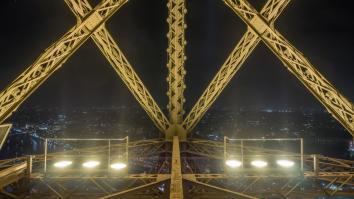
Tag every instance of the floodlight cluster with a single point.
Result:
(259, 163)
(89, 164)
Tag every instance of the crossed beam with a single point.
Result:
(90, 24)
(113, 54)
(271, 11)
(261, 27)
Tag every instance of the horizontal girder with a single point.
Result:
(332, 172)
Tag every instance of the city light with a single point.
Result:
(62, 164)
(259, 163)
(118, 166)
(91, 164)
(285, 163)
(233, 163)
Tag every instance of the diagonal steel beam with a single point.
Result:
(4, 131)
(54, 57)
(236, 194)
(336, 104)
(119, 62)
(122, 193)
(271, 11)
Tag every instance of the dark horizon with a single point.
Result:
(322, 30)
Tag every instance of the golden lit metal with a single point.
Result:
(54, 57)
(118, 166)
(259, 163)
(233, 163)
(63, 164)
(260, 27)
(336, 104)
(91, 164)
(231, 66)
(176, 59)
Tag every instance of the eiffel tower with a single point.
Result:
(176, 176)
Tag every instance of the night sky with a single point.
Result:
(322, 29)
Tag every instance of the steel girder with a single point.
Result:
(4, 131)
(336, 104)
(337, 173)
(333, 176)
(176, 189)
(125, 71)
(176, 59)
(54, 57)
(249, 41)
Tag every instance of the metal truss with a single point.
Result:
(186, 167)
(296, 63)
(90, 24)
(54, 57)
(249, 41)
(176, 189)
(131, 186)
(176, 59)
(125, 71)
(323, 176)
(4, 131)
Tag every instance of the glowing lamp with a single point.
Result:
(91, 164)
(259, 163)
(285, 163)
(118, 166)
(62, 164)
(233, 163)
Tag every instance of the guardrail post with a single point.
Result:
(29, 166)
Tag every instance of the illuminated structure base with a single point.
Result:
(176, 167)
(200, 175)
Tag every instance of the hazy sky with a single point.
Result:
(322, 29)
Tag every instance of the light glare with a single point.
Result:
(233, 163)
(285, 163)
(118, 166)
(91, 164)
(62, 164)
(259, 163)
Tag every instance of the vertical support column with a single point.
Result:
(176, 60)
(315, 165)
(45, 155)
(176, 189)
(302, 155)
(29, 166)
(109, 155)
(127, 150)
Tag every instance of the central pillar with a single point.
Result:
(176, 130)
(176, 188)
(176, 59)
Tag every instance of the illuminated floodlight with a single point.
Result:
(259, 163)
(62, 164)
(91, 164)
(285, 163)
(118, 166)
(233, 163)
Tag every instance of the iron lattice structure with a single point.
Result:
(175, 166)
